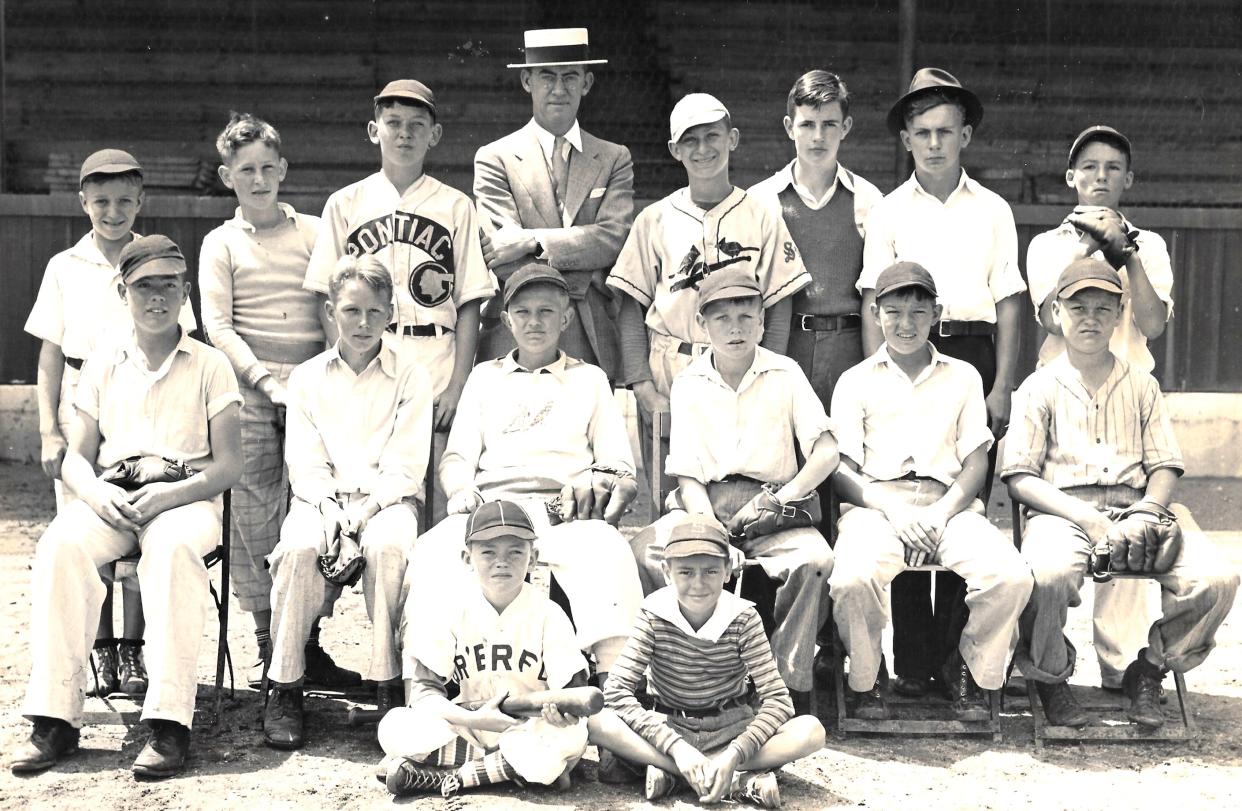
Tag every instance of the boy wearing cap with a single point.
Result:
(912, 428)
(700, 650)
(679, 241)
(1090, 434)
(1100, 171)
(255, 310)
(744, 414)
(553, 192)
(964, 235)
(158, 394)
(75, 313)
(358, 431)
(536, 426)
(498, 637)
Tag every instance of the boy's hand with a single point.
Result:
(556, 718)
(723, 765)
(509, 243)
(998, 401)
(111, 503)
(357, 515)
(1096, 525)
(491, 718)
(333, 519)
(152, 499)
(649, 398)
(464, 501)
(444, 407)
(919, 528)
(693, 766)
(274, 391)
(52, 454)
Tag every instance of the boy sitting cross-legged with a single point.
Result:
(699, 646)
(914, 439)
(498, 637)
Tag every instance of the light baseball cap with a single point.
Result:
(499, 519)
(152, 255)
(1086, 273)
(108, 162)
(697, 535)
(727, 284)
(692, 110)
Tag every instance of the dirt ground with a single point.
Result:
(229, 767)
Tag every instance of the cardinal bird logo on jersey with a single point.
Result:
(693, 270)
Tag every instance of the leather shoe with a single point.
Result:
(869, 704)
(322, 671)
(1060, 706)
(282, 717)
(49, 741)
(165, 752)
(1141, 684)
(910, 686)
(967, 700)
(389, 694)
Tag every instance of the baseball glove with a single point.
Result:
(136, 471)
(1106, 227)
(1144, 537)
(764, 514)
(343, 563)
(604, 495)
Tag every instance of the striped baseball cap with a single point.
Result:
(499, 519)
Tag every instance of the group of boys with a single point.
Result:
(742, 314)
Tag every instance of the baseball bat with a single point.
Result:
(578, 701)
(359, 716)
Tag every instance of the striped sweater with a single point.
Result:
(694, 670)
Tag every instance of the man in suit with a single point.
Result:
(553, 192)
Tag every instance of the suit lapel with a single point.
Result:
(583, 169)
(533, 174)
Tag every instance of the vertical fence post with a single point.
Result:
(906, 16)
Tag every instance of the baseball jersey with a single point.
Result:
(427, 237)
(78, 307)
(675, 244)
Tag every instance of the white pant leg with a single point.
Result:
(998, 585)
(298, 590)
(66, 594)
(868, 555)
(435, 570)
(175, 603)
(386, 540)
(1121, 618)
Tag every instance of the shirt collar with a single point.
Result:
(703, 366)
(509, 365)
(965, 184)
(547, 139)
(1069, 378)
(87, 249)
(241, 222)
(128, 350)
(882, 357)
(663, 604)
(683, 202)
(387, 357)
(784, 178)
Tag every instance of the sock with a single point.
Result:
(263, 636)
(489, 769)
(313, 640)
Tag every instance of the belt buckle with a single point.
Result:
(802, 317)
(940, 329)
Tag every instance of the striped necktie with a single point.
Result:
(560, 170)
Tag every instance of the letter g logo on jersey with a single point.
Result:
(430, 284)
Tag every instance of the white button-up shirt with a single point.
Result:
(866, 195)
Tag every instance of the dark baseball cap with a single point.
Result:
(726, 284)
(408, 90)
(697, 535)
(152, 255)
(902, 275)
(499, 519)
(1099, 132)
(929, 80)
(1085, 273)
(108, 162)
(533, 273)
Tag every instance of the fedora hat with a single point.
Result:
(545, 47)
(928, 80)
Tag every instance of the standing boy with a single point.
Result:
(1100, 171)
(555, 193)
(717, 714)
(913, 432)
(158, 394)
(964, 235)
(1090, 437)
(358, 433)
(251, 270)
(498, 637)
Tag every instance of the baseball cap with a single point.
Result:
(1099, 132)
(697, 535)
(928, 80)
(1084, 273)
(108, 162)
(692, 110)
(410, 90)
(531, 273)
(726, 284)
(499, 519)
(902, 275)
(152, 255)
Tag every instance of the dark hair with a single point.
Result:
(384, 104)
(242, 129)
(931, 99)
(132, 176)
(913, 291)
(818, 88)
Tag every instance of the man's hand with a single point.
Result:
(466, 500)
(694, 767)
(723, 765)
(998, 401)
(444, 407)
(491, 718)
(509, 243)
(649, 398)
(274, 390)
(111, 503)
(556, 718)
(152, 499)
(52, 453)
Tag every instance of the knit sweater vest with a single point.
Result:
(831, 249)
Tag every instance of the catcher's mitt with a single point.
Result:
(136, 471)
(1106, 227)
(1144, 537)
(343, 563)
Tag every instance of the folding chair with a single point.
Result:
(1119, 730)
(127, 567)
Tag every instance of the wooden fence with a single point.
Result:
(1201, 350)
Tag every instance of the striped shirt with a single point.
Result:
(1062, 433)
(696, 670)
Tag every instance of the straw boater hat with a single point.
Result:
(556, 46)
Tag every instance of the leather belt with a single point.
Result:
(420, 330)
(705, 712)
(827, 323)
(73, 363)
(952, 329)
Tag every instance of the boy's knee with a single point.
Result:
(383, 548)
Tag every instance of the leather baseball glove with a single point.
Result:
(603, 492)
(1144, 537)
(764, 514)
(343, 563)
(136, 471)
(1106, 227)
